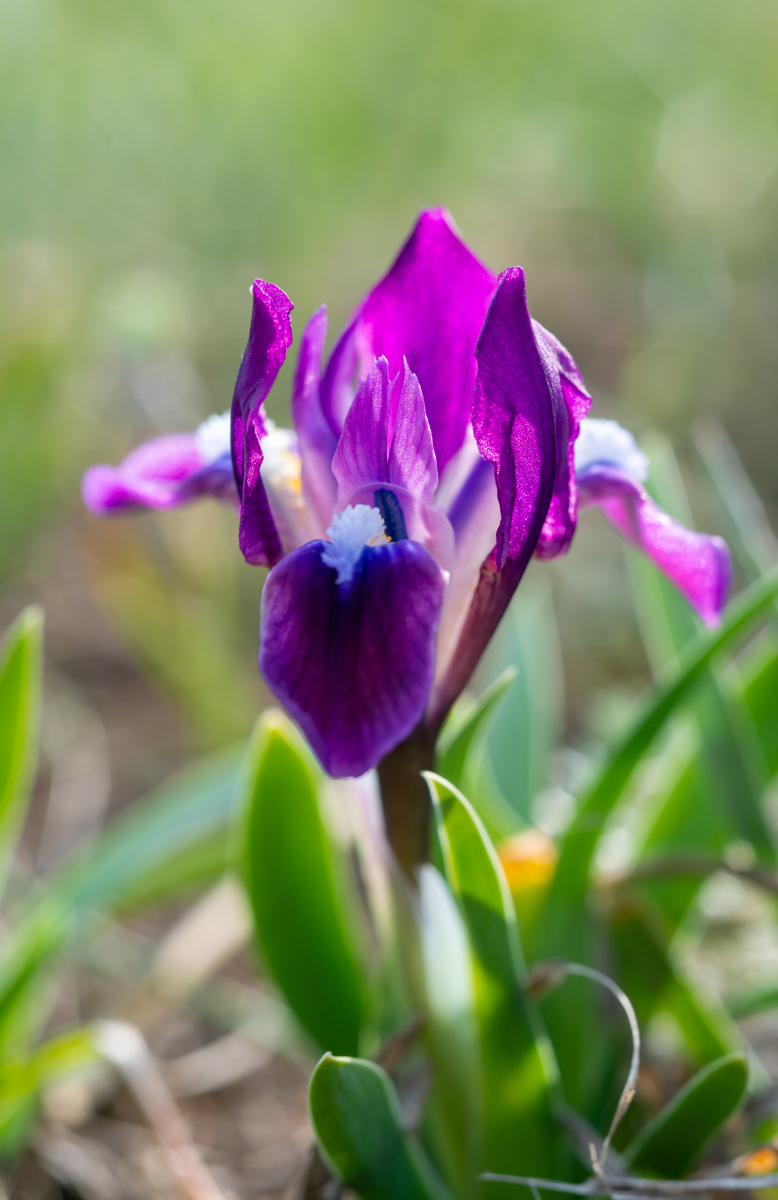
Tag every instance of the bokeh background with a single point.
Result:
(158, 156)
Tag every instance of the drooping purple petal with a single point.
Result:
(161, 473)
(698, 564)
(316, 439)
(517, 403)
(429, 309)
(352, 662)
(559, 525)
(270, 336)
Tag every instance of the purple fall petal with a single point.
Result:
(316, 439)
(270, 336)
(562, 372)
(352, 662)
(428, 309)
(516, 411)
(698, 564)
(161, 473)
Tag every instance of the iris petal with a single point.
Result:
(317, 441)
(161, 473)
(516, 409)
(353, 662)
(428, 308)
(270, 336)
(559, 525)
(698, 564)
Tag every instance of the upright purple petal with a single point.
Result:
(698, 564)
(316, 439)
(362, 453)
(352, 662)
(161, 473)
(270, 336)
(559, 525)
(428, 309)
(386, 437)
(516, 412)
(411, 461)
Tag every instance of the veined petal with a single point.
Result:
(559, 525)
(270, 336)
(429, 309)
(353, 662)
(517, 408)
(362, 453)
(411, 460)
(316, 439)
(386, 437)
(161, 473)
(698, 564)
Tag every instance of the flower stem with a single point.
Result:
(405, 798)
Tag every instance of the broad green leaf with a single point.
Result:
(450, 1033)
(290, 873)
(356, 1116)
(20, 682)
(516, 1063)
(670, 1144)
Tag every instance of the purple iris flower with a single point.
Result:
(432, 457)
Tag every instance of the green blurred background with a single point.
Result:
(158, 156)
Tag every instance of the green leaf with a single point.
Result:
(20, 683)
(21, 1080)
(290, 872)
(737, 771)
(454, 744)
(565, 919)
(466, 761)
(517, 1067)
(653, 984)
(526, 728)
(450, 1032)
(134, 858)
(749, 530)
(670, 1144)
(567, 926)
(358, 1123)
